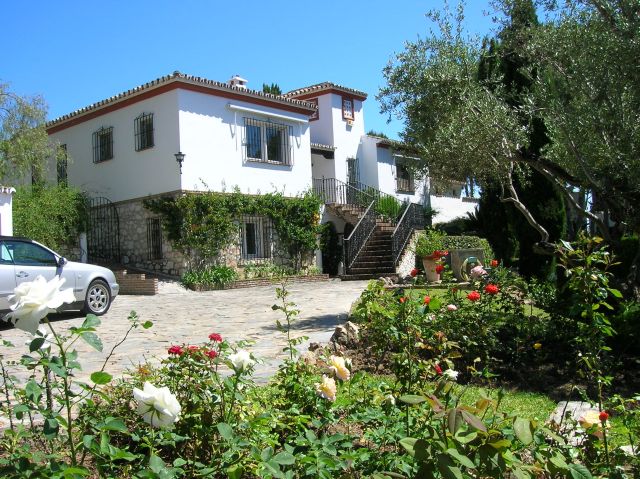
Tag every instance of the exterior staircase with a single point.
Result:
(376, 258)
(374, 247)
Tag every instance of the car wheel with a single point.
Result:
(98, 298)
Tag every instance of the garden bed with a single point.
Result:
(250, 283)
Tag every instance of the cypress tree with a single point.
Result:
(506, 60)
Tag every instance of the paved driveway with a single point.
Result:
(183, 316)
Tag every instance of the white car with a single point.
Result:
(22, 260)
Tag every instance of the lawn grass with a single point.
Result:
(520, 403)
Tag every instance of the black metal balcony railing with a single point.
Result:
(356, 241)
(405, 185)
(357, 194)
(412, 219)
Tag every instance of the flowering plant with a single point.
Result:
(34, 300)
(157, 406)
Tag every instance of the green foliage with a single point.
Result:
(377, 134)
(209, 276)
(432, 240)
(274, 88)
(552, 81)
(202, 225)
(466, 242)
(51, 215)
(436, 240)
(24, 142)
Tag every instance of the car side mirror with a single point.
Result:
(62, 261)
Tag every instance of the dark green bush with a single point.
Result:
(52, 215)
(211, 276)
(465, 242)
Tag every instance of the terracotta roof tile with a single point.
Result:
(182, 77)
(325, 86)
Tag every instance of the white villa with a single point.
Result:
(181, 133)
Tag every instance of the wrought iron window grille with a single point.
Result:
(256, 239)
(266, 141)
(154, 239)
(103, 144)
(143, 128)
(61, 166)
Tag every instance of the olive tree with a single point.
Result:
(584, 66)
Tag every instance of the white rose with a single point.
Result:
(33, 300)
(451, 374)
(241, 360)
(451, 307)
(157, 406)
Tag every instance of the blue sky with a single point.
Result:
(75, 53)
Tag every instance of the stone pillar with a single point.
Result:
(6, 210)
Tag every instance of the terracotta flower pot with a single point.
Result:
(430, 264)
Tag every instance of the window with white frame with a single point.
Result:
(267, 142)
(347, 108)
(256, 238)
(103, 144)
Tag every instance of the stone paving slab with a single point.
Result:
(183, 316)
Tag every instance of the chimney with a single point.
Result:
(238, 82)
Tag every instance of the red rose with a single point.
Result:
(604, 415)
(427, 299)
(175, 350)
(215, 337)
(438, 369)
(491, 289)
(193, 348)
(473, 296)
(494, 263)
(439, 269)
(212, 354)
(402, 299)
(414, 272)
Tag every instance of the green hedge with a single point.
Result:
(465, 242)
(52, 215)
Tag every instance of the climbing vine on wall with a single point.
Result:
(204, 224)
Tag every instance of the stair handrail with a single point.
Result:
(408, 223)
(356, 241)
(357, 193)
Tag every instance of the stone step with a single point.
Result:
(376, 270)
(356, 277)
(373, 265)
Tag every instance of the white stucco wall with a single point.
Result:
(346, 138)
(204, 129)
(322, 167)
(131, 173)
(211, 137)
(450, 208)
(322, 128)
(6, 210)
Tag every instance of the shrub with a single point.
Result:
(211, 276)
(53, 216)
(432, 240)
(465, 242)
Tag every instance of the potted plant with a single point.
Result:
(430, 247)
